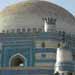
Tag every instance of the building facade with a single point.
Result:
(37, 37)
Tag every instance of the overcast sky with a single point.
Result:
(67, 4)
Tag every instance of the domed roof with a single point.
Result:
(29, 14)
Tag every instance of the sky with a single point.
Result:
(67, 4)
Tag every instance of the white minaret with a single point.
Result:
(64, 62)
(45, 26)
(49, 24)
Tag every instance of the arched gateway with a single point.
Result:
(17, 60)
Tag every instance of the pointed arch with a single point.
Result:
(17, 57)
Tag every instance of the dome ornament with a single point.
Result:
(35, 0)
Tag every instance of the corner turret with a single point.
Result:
(64, 62)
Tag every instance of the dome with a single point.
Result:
(30, 14)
